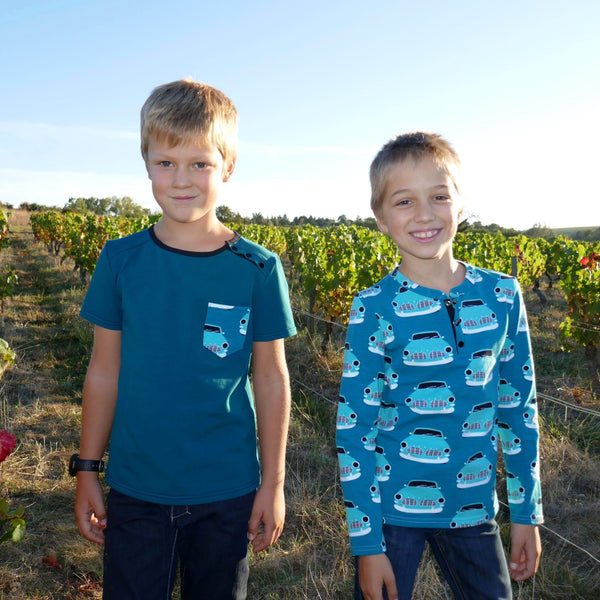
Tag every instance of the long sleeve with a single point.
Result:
(362, 393)
(518, 426)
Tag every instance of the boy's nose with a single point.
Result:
(424, 212)
(181, 178)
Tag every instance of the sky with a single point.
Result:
(320, 86)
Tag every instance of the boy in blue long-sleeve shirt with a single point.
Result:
(438, 376)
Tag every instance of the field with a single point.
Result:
(40, 400)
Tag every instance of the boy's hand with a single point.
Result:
(375, 573)
(89, 507)
(525, 551)
(268, 509)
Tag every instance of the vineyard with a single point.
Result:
(332, 264)
(42, 281)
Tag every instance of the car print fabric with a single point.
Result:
(184, 429)
(433, 386)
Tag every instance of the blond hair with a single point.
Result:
(185, 110)
(415, 146)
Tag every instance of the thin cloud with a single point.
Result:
(308, 150)
(33, 130)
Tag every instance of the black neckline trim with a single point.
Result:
(164, 246)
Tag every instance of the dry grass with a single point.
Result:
(40, 401)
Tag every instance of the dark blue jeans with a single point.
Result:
(144, 542)
(471, 558)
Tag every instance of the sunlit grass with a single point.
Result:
(40, 402)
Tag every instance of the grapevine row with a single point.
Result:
(331, 264)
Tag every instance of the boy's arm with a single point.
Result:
(525, 551)
(99, 399)
(270, 381)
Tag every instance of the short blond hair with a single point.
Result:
(415, 146)
(185, 110)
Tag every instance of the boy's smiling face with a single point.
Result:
(186, 178)
(420, 210)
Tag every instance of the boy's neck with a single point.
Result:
(197, 236)
(443, 275)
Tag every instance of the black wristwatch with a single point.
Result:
(79, 464)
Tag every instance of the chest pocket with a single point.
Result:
(225, 328)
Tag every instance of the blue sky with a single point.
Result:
(320, 87)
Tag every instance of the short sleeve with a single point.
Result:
(102, 303)
(273, 318)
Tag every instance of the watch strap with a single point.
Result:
(77, 464)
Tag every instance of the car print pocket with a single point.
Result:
(225, 328)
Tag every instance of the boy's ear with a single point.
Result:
(228, 169)
(381, 223)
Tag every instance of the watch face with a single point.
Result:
(73, 465)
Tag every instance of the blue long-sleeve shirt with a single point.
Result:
(433, 385)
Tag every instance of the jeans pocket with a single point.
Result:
(225, 328)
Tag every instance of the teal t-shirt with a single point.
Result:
(184, 430)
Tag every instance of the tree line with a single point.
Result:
(126, 207)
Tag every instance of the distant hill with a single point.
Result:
(572, 232)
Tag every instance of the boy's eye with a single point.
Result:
(200, 165)
(442, 198)
(165, 163)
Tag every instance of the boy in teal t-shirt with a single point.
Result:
(437, 377)
(181, 311)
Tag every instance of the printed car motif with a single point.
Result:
(515, 490)
(349, 466)
(473, 276)
(374, 290)
(373, 393)
(494, 436)
(351, 364)
(346, 417)
(382, 465)
(476, 316)
(480, 420)
(536, 517)
(391, 377)
(506, 289)
(384, 335)
(402, 281)
(480, 368)
(530, 416)
(528, 370)
(370, 440)
(215, 340)
(509, 442)
(470, 515)
(477, 471)
(244, 323)
(508, 350)
(427, 348)
(425, 446)
(358, 522)
(408, 303)
(375, 492)
(357, 312)
(431, 397)
(419, 496)
(508, 396)
(387, 417)
(523, 326)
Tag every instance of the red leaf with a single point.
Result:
(8, 441)
(51, 560)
